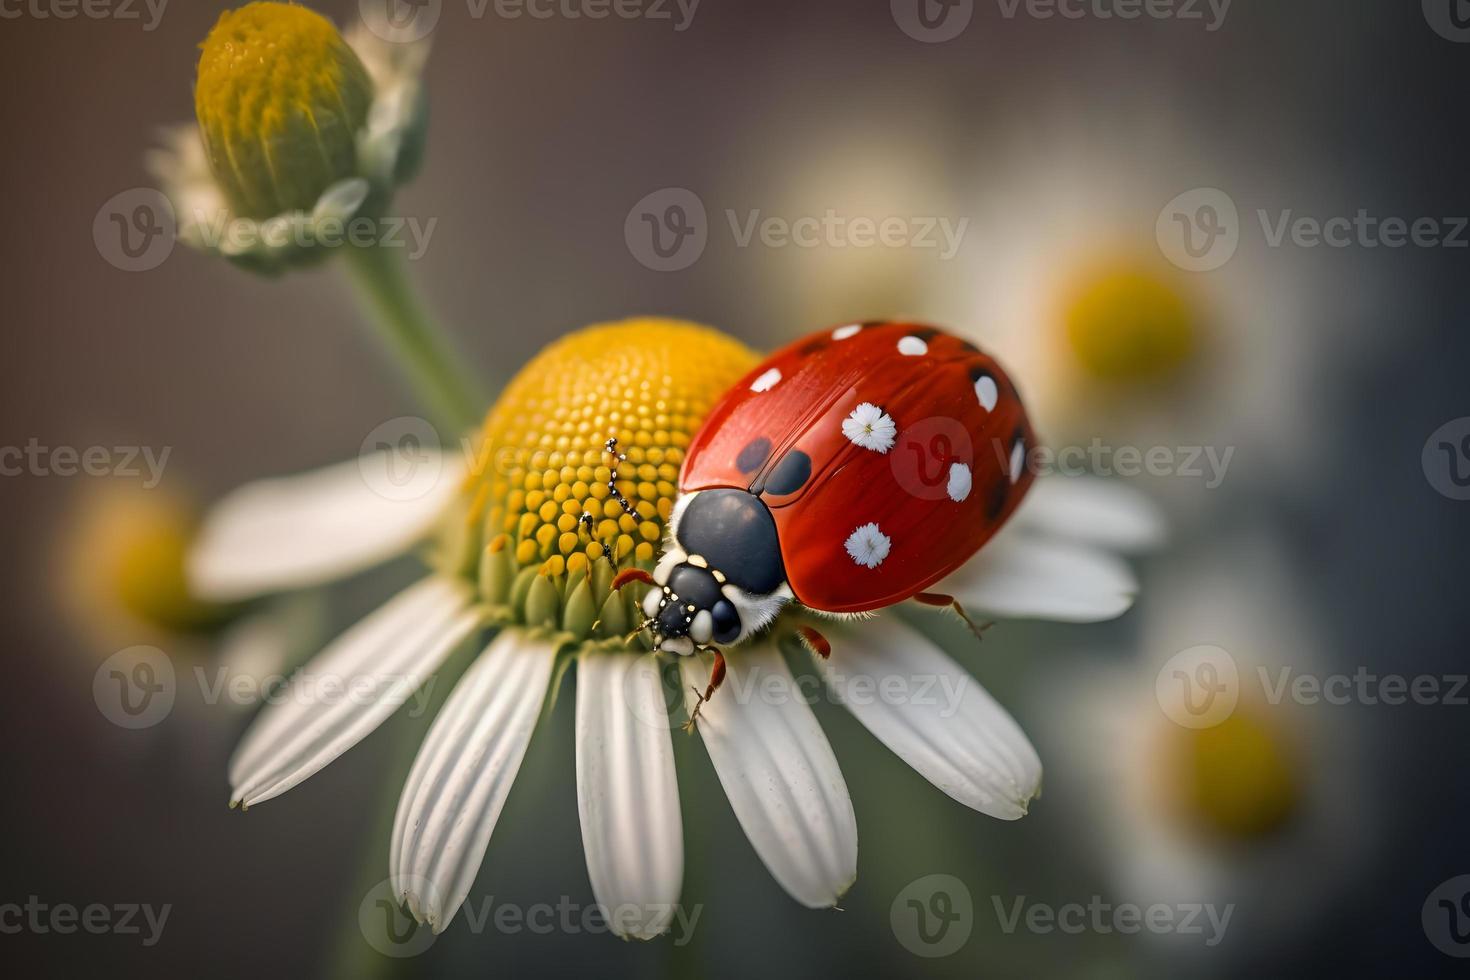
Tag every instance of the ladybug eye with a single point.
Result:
(753, 455)
(790, 474)
(726, 621)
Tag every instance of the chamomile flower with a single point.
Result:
(525, 543)
(1199, 779)
(870, 427)
(121, 582)
(299, 131)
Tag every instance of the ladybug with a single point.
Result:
(850, 471)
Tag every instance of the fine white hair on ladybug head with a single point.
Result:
(756, 611)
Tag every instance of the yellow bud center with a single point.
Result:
(280, 98)
(539, 505)
(1235, 779)
(1129, 324)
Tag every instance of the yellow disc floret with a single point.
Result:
(1129, 323)
(280, 98)
(539, 511)
(1235, 780)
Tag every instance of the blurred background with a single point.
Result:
(1119, 207)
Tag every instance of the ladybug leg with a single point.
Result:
(629, 575)
(940, 599)
(716, 678)
(814, 641)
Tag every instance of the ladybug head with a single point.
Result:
(721, 578)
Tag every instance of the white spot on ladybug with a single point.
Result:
(1018, 457)
(870, 427)
(851, 330)
(986, 391)
(912, 346)
(868, 546)
(766, 381)
(959, 482)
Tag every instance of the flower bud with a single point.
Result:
(280, 98)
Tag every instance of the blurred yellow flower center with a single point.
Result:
(127, 559)
(1129, 325)
(539, 504)
(280, 98)
(1235, 779)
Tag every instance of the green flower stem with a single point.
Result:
(413, 338)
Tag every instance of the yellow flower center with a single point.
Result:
(541, 521)
(1235, 779)
(125, 561)
(280, 98)
(1129, 324)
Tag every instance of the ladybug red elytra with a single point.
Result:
(849, 471)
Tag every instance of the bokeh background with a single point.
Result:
(1329, 546)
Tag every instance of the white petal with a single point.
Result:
(779, 773)
(1107, 513)
(627, 793)
(933, 715)
(463, 774)
(1025, 576)
(296, 531)
(349, 688)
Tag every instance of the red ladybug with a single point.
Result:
(849, 471)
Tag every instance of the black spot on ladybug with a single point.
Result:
(753, 455)
(977, 372)
(812, 346)
(969, 348)
(790, 475)
(995, 502)
(925, 334)
(870, 324)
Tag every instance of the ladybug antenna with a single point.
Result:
(611, 448)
